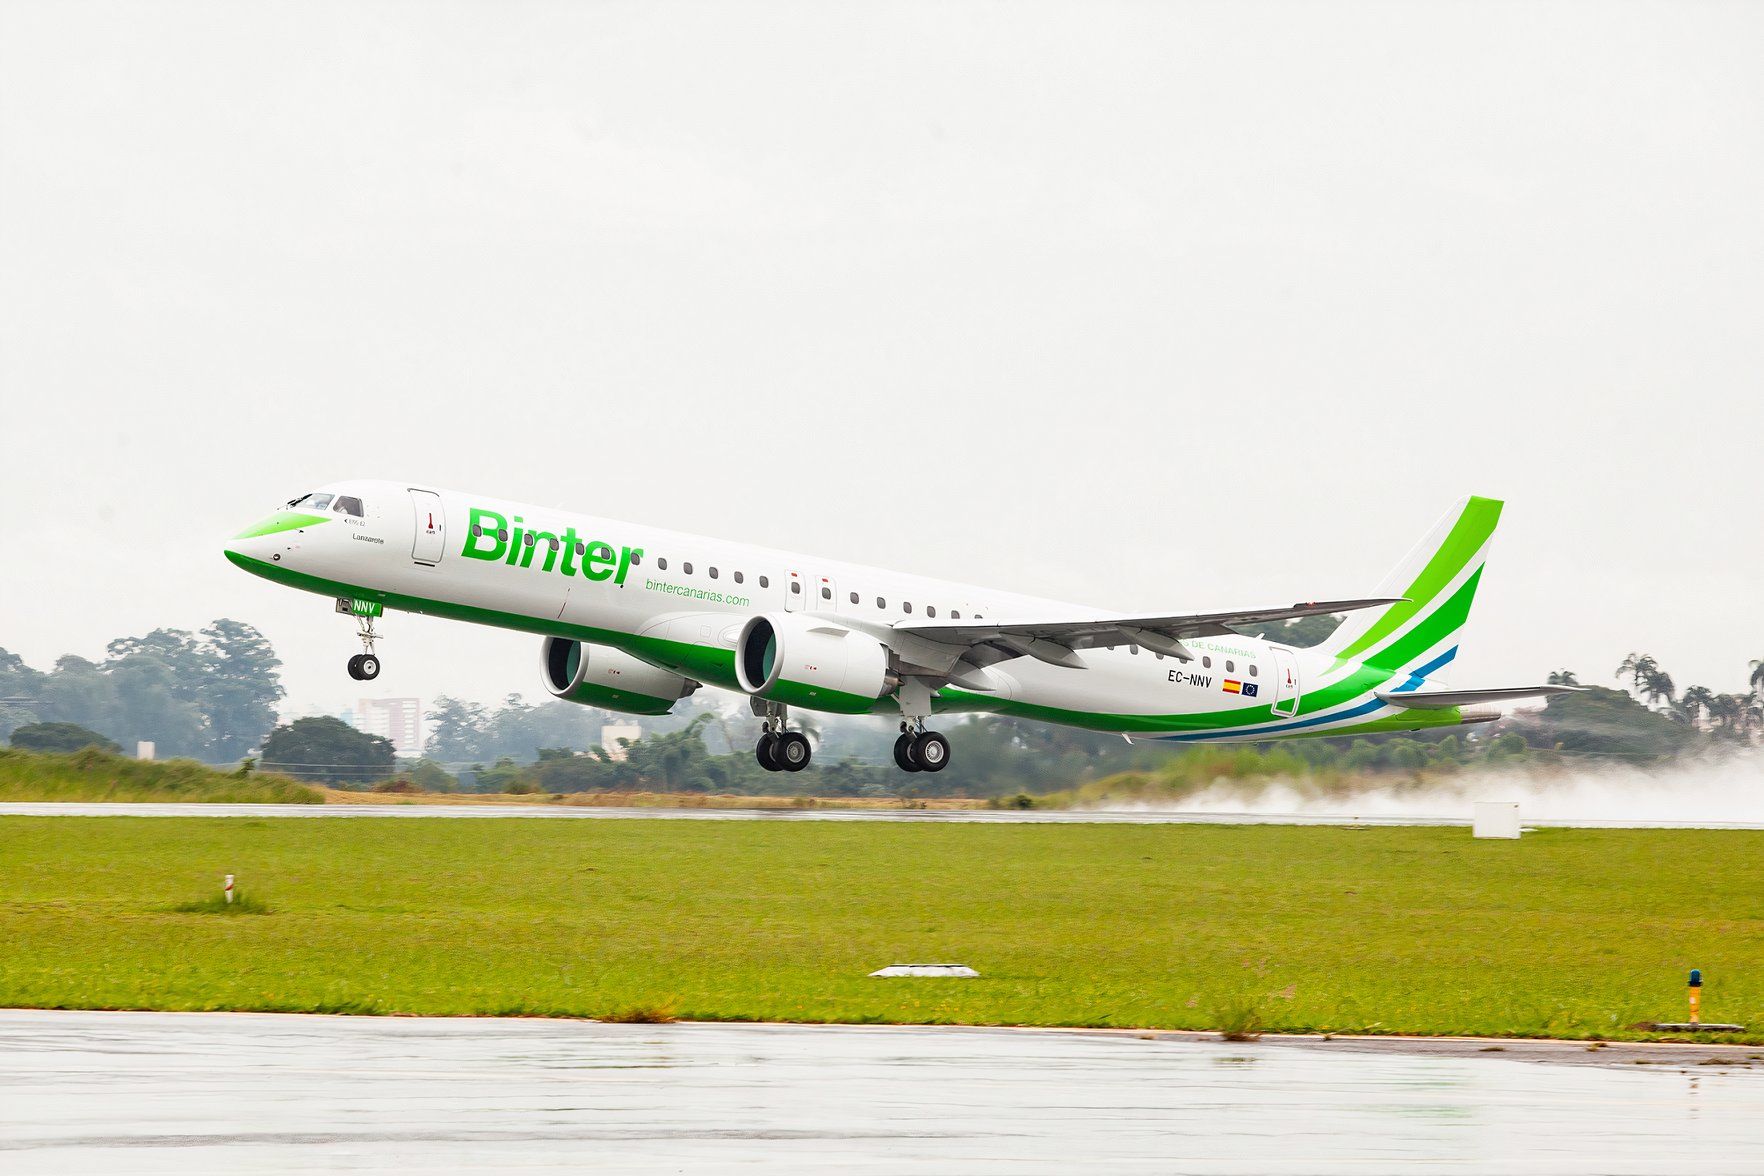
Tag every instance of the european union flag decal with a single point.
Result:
(1250, 690)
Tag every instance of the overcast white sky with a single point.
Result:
(1147, 306)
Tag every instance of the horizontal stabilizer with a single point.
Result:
(1444, 699)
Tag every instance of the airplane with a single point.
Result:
(635, 618)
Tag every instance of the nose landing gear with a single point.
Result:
(364, 666)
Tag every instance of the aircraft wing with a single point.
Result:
(1056, 642)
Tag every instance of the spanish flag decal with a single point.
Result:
(1233, 686)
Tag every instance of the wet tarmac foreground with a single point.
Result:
(156, 1092)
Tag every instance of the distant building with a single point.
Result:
(612, 733)
(397, 719)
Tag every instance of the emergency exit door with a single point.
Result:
(431, 527)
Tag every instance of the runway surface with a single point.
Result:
(207, 1092)
(915, 816)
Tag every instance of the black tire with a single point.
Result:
(793, 751)
(903, 755)
(931, 752)
(355, 667)
(767, 752)
(368, 667)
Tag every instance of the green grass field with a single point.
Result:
(1566, 933)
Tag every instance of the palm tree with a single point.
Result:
(1657, 687)
(1564, 678)
(1697, 702)
(1638, 667)
(1757, 679)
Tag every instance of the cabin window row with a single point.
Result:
(661, 563)
(1207, 663)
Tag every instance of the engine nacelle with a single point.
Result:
(803, 660)
(598, 675)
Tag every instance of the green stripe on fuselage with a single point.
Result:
(704, 663)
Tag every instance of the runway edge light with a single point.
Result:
(1695, 1024)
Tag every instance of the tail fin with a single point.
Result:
(1438, 580)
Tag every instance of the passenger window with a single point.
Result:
(854, 598)
(1160, 657)
(527, 539)
(908, 606)
(1134, 650)
(636, 558)
(713, 573)
(349, 506)
(1231, 667)
(796, 587)
(826, 592)
(765, 582)
(1207, 662)
(881, 603)
(477, 530)
(582, 548)
(955, 614)
(687, 568)
(738, 577)
(1252, 669)
(502, 535)
(930, 610)
(662, 564)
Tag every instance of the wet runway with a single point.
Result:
(912, 816)
(150, 1092)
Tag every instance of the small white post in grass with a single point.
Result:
(229, 888)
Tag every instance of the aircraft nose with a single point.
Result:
(266, 541)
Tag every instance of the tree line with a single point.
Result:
(210, 695)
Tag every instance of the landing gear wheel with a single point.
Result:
(367, 667)
(767, 752)
(793, 752)
(931, 752)
(355, 666)
(903, 755)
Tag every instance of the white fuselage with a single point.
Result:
(679, 601)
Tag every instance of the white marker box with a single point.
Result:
(1497, 818)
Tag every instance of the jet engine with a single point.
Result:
(803, 660)
(598, 675)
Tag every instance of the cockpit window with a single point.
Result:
(294, 502)
(319, 502)
(348, 505)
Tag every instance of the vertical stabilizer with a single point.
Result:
(1438, 580)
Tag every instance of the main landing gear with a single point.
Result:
(919, 750)
(365, 666)
(780, 750)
